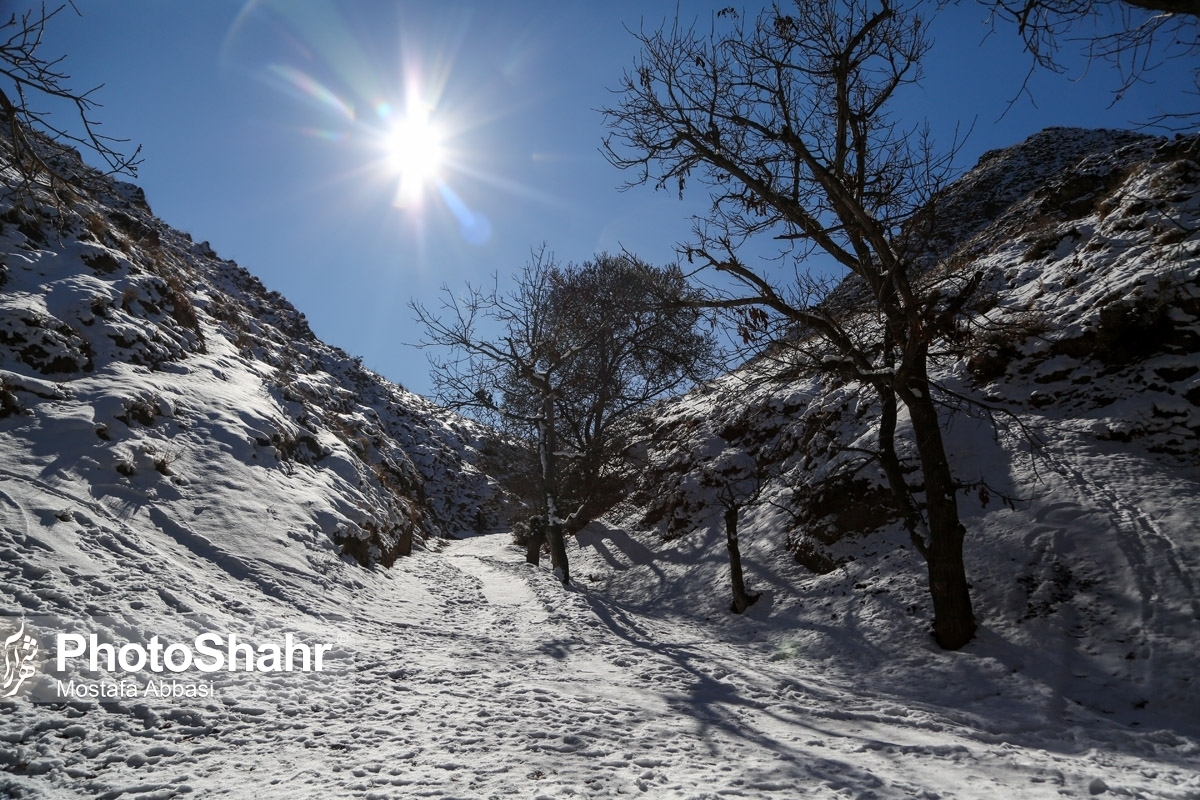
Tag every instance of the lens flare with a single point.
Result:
(474, 226)
(305, 87)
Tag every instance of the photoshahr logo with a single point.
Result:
(20, 649)
(48, 659)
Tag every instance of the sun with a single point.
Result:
(415, 153)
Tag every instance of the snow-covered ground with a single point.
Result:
(466, 673)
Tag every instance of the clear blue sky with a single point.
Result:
(261, 124)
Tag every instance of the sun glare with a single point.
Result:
(408, 140)
(414, 154)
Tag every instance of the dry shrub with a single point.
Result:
(992, 349)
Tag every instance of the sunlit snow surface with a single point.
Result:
(474, 675)
(461, 672)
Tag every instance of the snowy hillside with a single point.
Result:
(1072, 404)
(138, 362)
(180, 458)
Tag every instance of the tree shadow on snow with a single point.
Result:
(717, 705)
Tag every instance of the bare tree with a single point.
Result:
(786, 120)
(1135, 36)
(737, 479)
(33, 87)
(647, 339)
(571, 353)
(507, 359)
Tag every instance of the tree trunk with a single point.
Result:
(953, 617)
(537, 537)
(741, 600)
(891, 462)
(554, 523)
(558, 551)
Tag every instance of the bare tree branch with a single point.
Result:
(32, 143)
(1135, 36)
(785, 120)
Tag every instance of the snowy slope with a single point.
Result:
(459, 671)
(475, 676)
(1078, 459)
(144, 363)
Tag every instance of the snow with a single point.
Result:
(475, 675)
(206, 476)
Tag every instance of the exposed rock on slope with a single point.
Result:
(1089, 246)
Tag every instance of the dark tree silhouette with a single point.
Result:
(647, 340)
(785, 119)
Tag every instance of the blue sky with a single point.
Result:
(263, 131)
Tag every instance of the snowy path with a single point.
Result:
(477, 676)
(496, 683)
